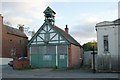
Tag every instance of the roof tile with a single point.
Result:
(14, 31)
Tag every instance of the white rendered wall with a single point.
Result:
(109, 59)
(112, 33)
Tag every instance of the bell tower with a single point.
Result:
(49, 15)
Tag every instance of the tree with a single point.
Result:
(88, 46)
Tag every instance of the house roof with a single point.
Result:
(14, 31)
(48, 9)
(108, 23)
(67, 36)
(117, 21)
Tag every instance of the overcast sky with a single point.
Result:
(80, 16)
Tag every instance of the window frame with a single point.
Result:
(106, 43)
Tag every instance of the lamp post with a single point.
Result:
(93, 57)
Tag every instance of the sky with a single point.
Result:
(80, 16)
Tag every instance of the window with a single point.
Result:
(106, 45)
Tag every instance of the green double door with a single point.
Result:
(48, 56)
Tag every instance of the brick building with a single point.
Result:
(53, 47)
(12, 41)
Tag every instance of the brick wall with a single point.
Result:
(1, 21)
(9, 41)
(75, 56)
(69, 57)
(28, 53)
(20, 64)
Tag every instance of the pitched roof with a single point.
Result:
(15, 31)
(117, 21)
(67, 36)
(48, 9)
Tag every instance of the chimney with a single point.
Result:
(66, 29)
(21, 28)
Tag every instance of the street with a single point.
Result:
(8, 72)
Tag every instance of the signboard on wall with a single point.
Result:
(62, 56)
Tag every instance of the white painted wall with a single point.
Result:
(109, 59)
(112, 32)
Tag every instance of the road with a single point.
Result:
(8, 72)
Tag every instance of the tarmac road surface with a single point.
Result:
(8, 72)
